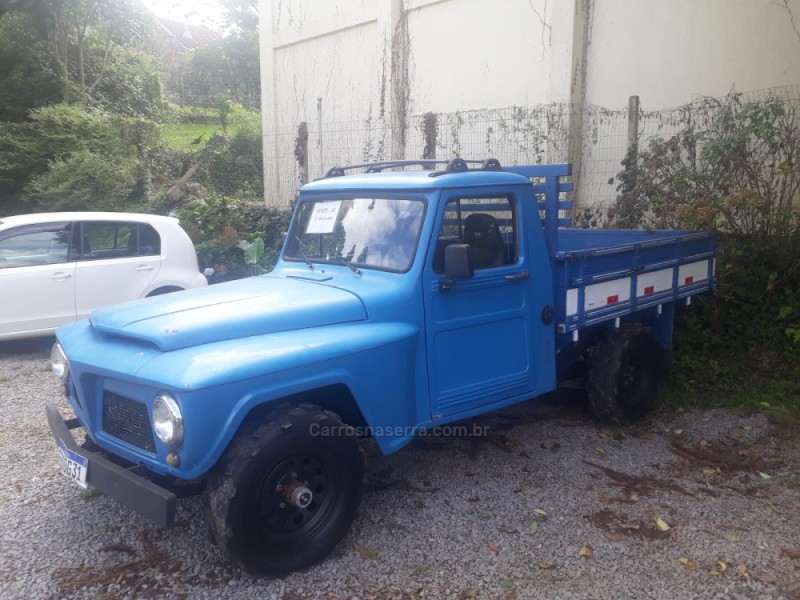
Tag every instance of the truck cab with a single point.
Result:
(407, 296)
(480, 340)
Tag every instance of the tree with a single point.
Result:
(24, 81)
(85, 36)
(241, 14)
(88, 51)
(229, 69)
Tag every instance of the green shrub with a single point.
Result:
(72, 156)
(741, 177)
(240, 119)
(228, 235)
(86, 180)
(738, 345)
(193, 114)
(237, 169)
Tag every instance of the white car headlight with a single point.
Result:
(167, 420)
(59, 362)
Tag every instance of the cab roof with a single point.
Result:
(415, 180)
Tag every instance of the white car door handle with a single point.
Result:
(60, 276)
(145, 268)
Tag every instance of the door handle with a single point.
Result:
(60, 276)
(145, 268)
(518, 276)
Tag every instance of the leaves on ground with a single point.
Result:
(618, 526)
(793, 587)
(364, 552)
(643, 485)
(742, 571)
(662, 525)
(586, 551)
(789, 553)
(720, 456)
(492, 546)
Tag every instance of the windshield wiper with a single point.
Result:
(303, 254)
(348, 264)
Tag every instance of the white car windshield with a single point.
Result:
(375, 233)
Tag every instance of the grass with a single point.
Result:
(90, 493)
(779, 400)
(181, 136)
(760, 394)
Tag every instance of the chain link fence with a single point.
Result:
(595, 140)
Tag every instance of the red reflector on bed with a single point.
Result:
(612, 299)
(689, 280)
(649, 289)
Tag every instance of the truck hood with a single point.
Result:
(244, 308)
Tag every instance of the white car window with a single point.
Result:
(149, 241)
(118, 240)
(39, 245)
(108, 240)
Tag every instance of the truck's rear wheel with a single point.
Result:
(625, 369)
(286, 493)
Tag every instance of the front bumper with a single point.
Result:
(123, 484)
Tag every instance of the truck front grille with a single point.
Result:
(127, 420)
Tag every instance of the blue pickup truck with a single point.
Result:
(407, 296)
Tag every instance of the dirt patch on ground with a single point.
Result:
(617, 526)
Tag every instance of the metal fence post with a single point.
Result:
(319, 136)
(631, 161)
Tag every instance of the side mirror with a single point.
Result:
(457, 265)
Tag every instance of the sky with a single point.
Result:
(196, 12)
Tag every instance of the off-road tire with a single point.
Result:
(243, 506)
(625, 368)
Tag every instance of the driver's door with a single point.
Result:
(479, 331)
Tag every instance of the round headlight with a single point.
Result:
(59, 362)
(167, 420)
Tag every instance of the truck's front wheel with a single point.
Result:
(625, 369)
(286, 493)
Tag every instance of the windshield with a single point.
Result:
(368, 232)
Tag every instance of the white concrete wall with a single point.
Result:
(325, 50)
(578, 57)
(670, 52)
(474, 54)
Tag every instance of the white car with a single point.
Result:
(58, 267)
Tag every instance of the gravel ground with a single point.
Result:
(549, 505)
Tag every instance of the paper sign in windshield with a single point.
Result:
(323, 217)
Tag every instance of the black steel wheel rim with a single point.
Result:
(277, 517)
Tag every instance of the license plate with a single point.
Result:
(72, 465)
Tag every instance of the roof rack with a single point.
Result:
(455, 165)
